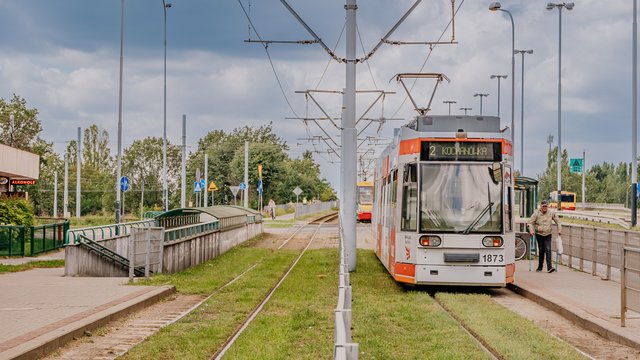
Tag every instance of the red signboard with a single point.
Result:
(23, 182)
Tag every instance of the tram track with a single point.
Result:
(319, 221)
(484, 345)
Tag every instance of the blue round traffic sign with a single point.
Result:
(124, 183)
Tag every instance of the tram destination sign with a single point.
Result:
(460, 151)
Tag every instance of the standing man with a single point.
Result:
(540, 225)
(272, 209)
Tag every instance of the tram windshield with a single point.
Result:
(459, 198)
(365, 195)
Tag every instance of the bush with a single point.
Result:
(15, 211)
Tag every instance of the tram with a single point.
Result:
(364, 195)
(443, 204)
(567, 200)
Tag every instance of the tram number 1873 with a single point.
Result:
(492, 258)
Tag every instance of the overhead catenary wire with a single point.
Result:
(431, 48)
(266, 49)
(344, 25)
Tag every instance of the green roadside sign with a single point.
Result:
(575, 165)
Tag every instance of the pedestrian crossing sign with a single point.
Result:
(575, 165)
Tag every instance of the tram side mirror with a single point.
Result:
(495, 172)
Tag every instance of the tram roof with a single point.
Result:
(218, 211)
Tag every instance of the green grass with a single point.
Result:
(394, 322)
(510, 334)
(280, 223)
(31, 265)
(97, 220)
(203, 331)
(298, 321)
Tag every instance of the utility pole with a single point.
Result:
(65, 199)
(142, 200)
(449, 102)
(246, 174)
(183, 189)
(349, 138)
(78, 170)
(584, 171)
(206, 179)
(119, 160)
(634, 119)
(55, 194)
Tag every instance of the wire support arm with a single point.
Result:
(310, 31)
(267, 42)
(393, 29)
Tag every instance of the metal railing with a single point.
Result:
(595, 250)
(629, 282)
(190, 230)
(343, 347)
(32, 240)
(176, 221)
(105, 231)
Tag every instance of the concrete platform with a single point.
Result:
(40, 309)
(586, 300)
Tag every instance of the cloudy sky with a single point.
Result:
(63, 57)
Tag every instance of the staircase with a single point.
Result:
(109, 255)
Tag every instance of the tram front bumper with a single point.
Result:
(474, 275)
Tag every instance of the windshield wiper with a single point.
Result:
(477, 219)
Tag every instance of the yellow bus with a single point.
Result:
(567, 200)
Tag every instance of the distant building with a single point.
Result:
(17, 167)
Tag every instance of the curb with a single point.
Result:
(586, 321)
(44, 344)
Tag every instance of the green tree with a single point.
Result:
(23, 131)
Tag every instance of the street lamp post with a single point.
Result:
(466, 109)
(495, 6)
(449, 102)
(165, 186)
(522, 52)
(634, 116)
(499, 77)
(481, 96)
(559, 6)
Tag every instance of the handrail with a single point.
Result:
(624, 288)
(190, 230)
(343, 347)
(108, 253)
(113, 230)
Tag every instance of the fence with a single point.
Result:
(629, 282)
(105, 231)
(32, 240)
(189, 231)
(343, 348)
(304, 210)
(596, 250)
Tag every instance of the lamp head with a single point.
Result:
(167, 5)
(529, 51)
(551, 6)
(569, 6)
(495, 6)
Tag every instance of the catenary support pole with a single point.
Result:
(349, 161)
(119, 154)
(142, 201)
(559, 158)
(65, 199)
(634, 120)
(584, 171)
(206, 179)
(246, 174)
(183, 188)
(78, 171)
(55, 194)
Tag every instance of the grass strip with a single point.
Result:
(297, 322)
(202, 332)
(512, 335)
(280, 223)
(391, 321)
(31, 265)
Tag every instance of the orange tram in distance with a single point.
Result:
(364, 196)
(443, 204)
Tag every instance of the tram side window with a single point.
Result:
(410, 198)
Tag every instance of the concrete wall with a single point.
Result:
(15, 163)
(304, 210)
(178, 255)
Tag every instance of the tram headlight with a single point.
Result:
(492, 241)
(430, 240)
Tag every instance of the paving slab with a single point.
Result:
(586, 300)
(53, 255)
(41, 309)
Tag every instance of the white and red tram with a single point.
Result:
(443, 207)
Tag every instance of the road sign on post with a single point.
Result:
(575, 165)
(197, 186)
(234, 191)
(297, 191)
